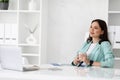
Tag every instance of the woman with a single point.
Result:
(97, 50)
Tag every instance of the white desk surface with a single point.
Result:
(66, 73)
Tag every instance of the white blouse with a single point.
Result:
(92, 46)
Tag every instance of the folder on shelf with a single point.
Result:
(11, 33)
(14, 33)
(7, 33)
(111, 33)
(117, 37)
(111, 29)
(117, 34)
(1, 33)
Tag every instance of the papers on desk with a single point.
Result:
(54, 69)
(30, 67)
(58, 64)
(34, 67)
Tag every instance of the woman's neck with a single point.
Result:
(95, 40)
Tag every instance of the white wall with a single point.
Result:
(68, 20)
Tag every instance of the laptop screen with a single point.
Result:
(10, 57)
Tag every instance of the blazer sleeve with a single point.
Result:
(82, 47)
(108, 55)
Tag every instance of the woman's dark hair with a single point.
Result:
(103, 26)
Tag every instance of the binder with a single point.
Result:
(1, 33)
(117, 37)
(14, 33)
(111, 34)
(7, 33)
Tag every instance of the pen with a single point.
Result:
(79, 64)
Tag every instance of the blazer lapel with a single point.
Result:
(94, 53)
(87, 47)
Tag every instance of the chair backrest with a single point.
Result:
(86, 36)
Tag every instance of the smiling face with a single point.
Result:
(95, 30)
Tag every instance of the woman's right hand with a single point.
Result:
(76, 60)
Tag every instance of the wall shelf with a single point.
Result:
(30, 11)
(8, 11)
(30, 54)
(114, 21)
(117, 58)
(18, 13)
(114, 12)
(37, 45)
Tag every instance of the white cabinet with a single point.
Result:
(114, 20)
(114, 26)
(19, 15)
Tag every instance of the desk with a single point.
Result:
(66, 73)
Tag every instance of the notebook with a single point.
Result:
(11, 58)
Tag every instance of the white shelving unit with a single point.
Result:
(114, 13)
(114, 20)
(19, 13)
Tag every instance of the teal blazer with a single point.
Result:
(101, 53)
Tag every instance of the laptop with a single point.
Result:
(11, 58)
